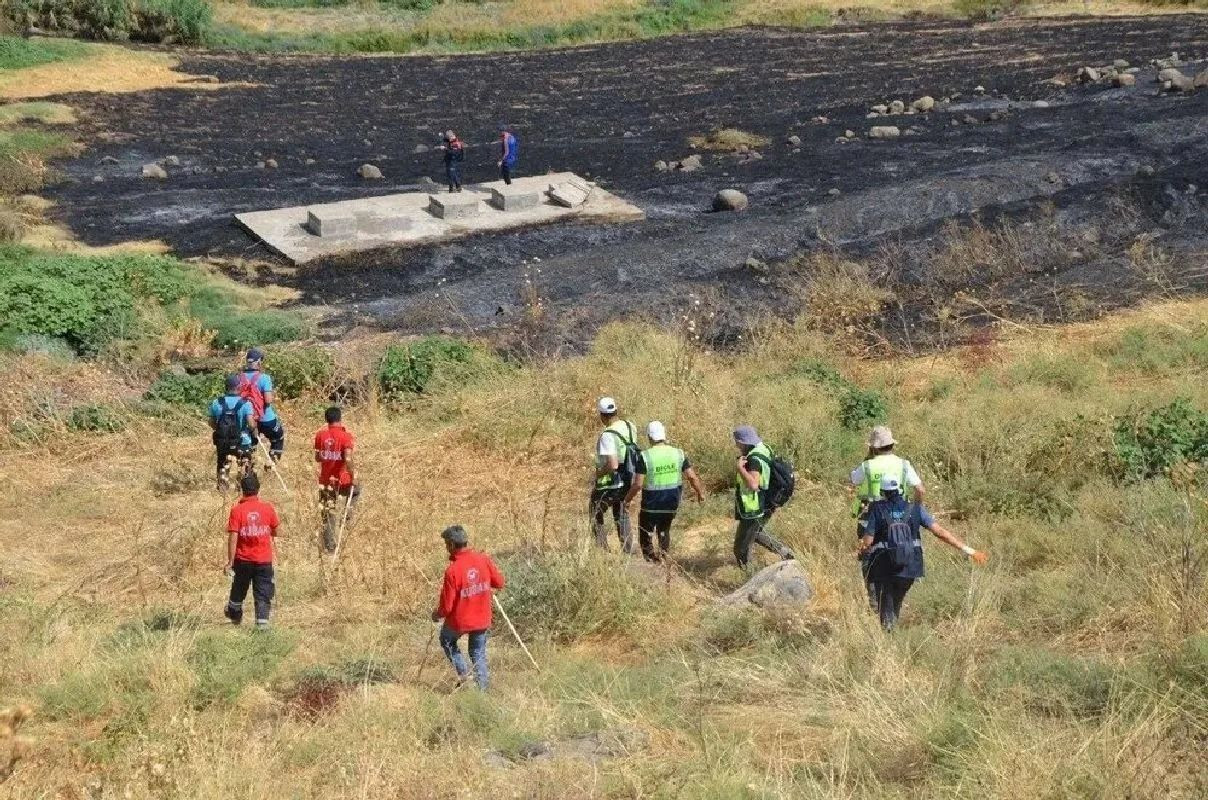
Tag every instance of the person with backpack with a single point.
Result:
(464, 607)
(866, 486)
(616, 462)
(762, 484)
(257, 387)
(334, 445)
(234, 427)
(251, 528)
(509, 153)
(660, 474)
(892, 543)
(455, 154)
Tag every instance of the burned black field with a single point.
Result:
(1081, 172)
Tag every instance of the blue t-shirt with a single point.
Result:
(512, 151)
(880, 515)
(266, 385)
(243, 413)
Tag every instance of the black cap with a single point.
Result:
(250, 484)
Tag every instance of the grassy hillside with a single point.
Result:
(1074, 665)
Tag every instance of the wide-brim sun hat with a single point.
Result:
(881, 436)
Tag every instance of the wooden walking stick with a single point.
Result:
(512, 628)
(335, 555)
(427, 649)
(272, 465)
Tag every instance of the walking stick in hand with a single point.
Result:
(343, 522)
(272, 465)
(512, 628)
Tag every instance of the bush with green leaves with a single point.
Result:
(859, 408)
(182, 21)
(234, 330)
(194, 391)
(20, 53)
(224, 665)
(1147, 444)
(299, 371)
(1053, 683)
(96, 418)
(434, 361)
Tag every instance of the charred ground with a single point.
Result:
(1088, 164)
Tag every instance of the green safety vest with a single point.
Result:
(625, 434)
(875, 469)
(749, 504)
(664, 467)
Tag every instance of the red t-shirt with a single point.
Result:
(256, 523)
(331, 444)
(465, 597)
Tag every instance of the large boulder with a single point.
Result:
(1124, 79)
(1169, 75)
(884, 132)
(924, 103)
(730, 200)
(1201, 80)
(154, 171)
(1182, 84)
(369, 172)
(897, 107)
(1089, 74)
(782, 585)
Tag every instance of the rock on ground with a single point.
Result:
(730, 200)
(783, 584)
(1089, 75)
(1124, 79)
(591, 747)
(369, 172)
(924, 103)
(1169, 74)
(571, 194)
(154, 171)
(1201, 80)
(691, 163)
(884, 132)
(897, 107)
(1182, 84)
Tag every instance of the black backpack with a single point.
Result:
(228, 433)
(901, 538)
(627, 467)
(781, 482)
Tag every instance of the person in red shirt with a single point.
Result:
(252, 527)
(465, 604)
(333, 453)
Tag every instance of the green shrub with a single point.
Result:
(859, 408)
(226, 662)
(988, 9)
(1053, 683)
(296, 372)
(1147, 444)
(236, 330)
(144, 20)
(567, 597)
(96, 418)
(820, 374)
(30, 343)
(194, 391)
(431, 362)
(20, 53)
(300, 3)
(1063, 374)
(731, 630)
(11, 226)
(172, 20)
(412, 5)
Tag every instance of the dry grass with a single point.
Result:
(44, 113)
(730, 140)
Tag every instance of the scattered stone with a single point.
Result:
(849, 134)
(261, 165)
(924, 103)
(754, 155)
(730, 200)
(1182, 84)
(661, 166)
(1169, 75)
(310, 162)
(571, 194)
(783, 584)
(628, 135)
(1120, 63)
(995, 116)
(530, 750)
(1042, 104)
(369, 172)
(954, 121)
(271, 163)
(834, 192)
(170, 161)
(755, 265)
(979, 89)
(691, 163)
(1053, 177)
(1145, 171)
(820, 120)
(220, 169)
(1088, 75)
(897, 107)
(1201, 80)
(884, 132)
(154, 171)
(108, 160)
(98, 179)
(872, 115)
(420, 148)
(794, 141)
(969, 119)
(880, 109)
(1124, 80)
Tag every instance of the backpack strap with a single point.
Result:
(868, 479)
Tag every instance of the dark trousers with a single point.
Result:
(505, 171)
(751, 531)
(603, 500)
(333, 512)
(231, 460)
(453, 173)
(869, 585)
(275, 433)
(260, 578)
(650, 525)
(890, 594)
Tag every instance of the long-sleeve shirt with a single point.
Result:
(465, 596)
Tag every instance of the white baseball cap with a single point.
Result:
(656, 431)
(607, 405)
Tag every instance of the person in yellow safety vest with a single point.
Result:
(754, 471)
(866, 488)
(661, 471)
(616, 452)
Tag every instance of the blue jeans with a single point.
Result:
(478, 653)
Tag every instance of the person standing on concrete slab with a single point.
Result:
(509, 153)
(465, 604)
(754, 473)
(661, 472)
(455, 153)
(616, 462)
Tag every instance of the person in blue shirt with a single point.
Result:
(257, 387)
(893, 545)
(509, 153)
(234, 426)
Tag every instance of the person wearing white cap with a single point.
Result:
(892, 546)
(750, 497)
(660, 478)
(616, 460)
(866, 485)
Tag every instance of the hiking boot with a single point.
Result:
(233, 613)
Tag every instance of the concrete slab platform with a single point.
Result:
(406, 219)
(515, 198)
(454, 206)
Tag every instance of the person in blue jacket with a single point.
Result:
(509, 153)
(234, 425)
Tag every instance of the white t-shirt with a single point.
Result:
(912, 477)
(607, 445)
